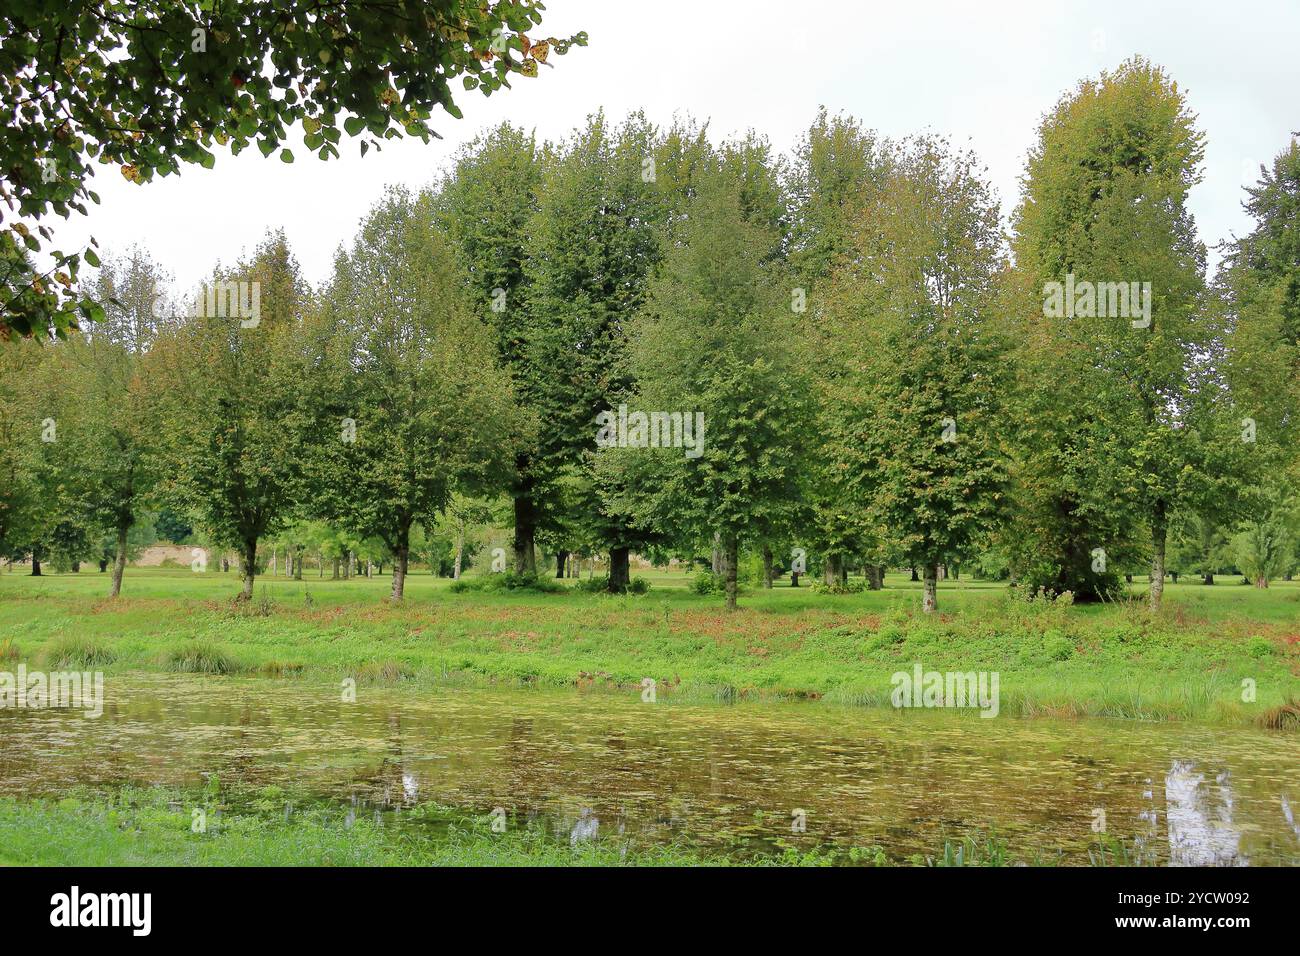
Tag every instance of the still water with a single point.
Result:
(731, 779)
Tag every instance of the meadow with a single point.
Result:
(1111, 660)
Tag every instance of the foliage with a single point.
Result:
(149, 85)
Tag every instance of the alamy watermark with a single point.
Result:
(966, 689)
(220, 300)
(651, 430)
(1098, 300)
(37, 690)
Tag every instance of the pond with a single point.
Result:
(732, 779)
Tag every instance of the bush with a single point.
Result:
(1259, 648)
(848, 587)
(1057, 646)
(599, 585)
(508, 581)
(77, 653)
(202, 657)
(706, 582)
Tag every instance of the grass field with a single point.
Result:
(1118, 660)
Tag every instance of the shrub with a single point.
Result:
(848, 587)
(508, 581)
(76, 652)
(1259, 648)
(706, 582)
(1057, 646)
(201, 657)
(598, 585)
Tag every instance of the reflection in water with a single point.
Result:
(585, 829)
(1201, 832)
(593, 765)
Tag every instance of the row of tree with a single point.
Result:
(880, 379)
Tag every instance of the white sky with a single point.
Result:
(981, 72)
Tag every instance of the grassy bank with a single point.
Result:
(1190, 661)
(155, 827)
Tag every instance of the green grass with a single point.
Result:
(156, 827)
(1102, 660)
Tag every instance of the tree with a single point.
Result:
(147, 85)
(714, 346)
(1122, 427)
(838, 170)
(595, 241)
(425, 410)
(20, 433)
(112, 422)
(1265, 548)
(485, 205)
(917, 299)
(238, 423)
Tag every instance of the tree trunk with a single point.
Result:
(525, 534)
(335, 575)
(717, 553)
(119, 562)
(561, 559)
(400, 556)
(460, 555)
(1261, 581)
(297, 563)
(730, 559)
(956, 573)
(1208, 578)
(931, 601)
(619, 575)
(914, 577)
(103, 565)
(36, 563)
(76, 567)
(876, 576)
(767, 567)
(830, 570)
(1159, 534)
(225, 564)
(248, 568)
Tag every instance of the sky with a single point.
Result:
(983, 73)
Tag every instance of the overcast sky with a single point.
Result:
(982, 72)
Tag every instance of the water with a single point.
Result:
(728, 779)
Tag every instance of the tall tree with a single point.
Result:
(485, 205)
(596, 240)
(918, 300)
(239, 419)
(113, 423)
(838, 170)
(1120, 431)
(424, 409)
(714, 345)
